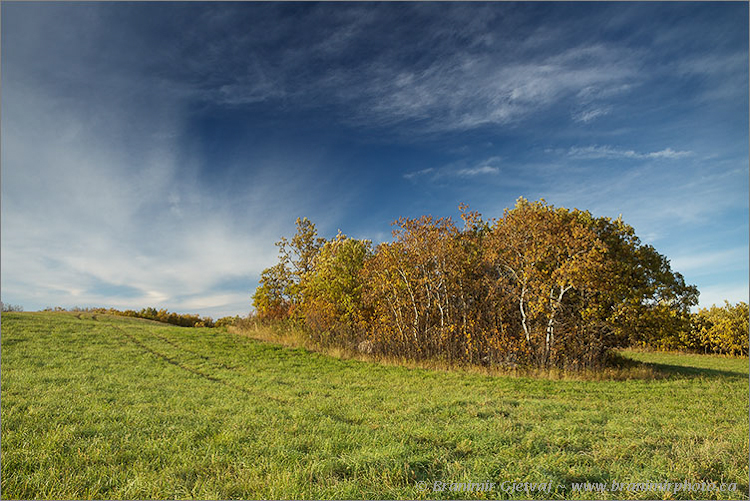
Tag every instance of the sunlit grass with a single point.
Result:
(108, 407)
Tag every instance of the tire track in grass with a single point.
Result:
(326, 412)
(195, 353)
(184, 367)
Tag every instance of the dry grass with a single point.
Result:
(288, 335)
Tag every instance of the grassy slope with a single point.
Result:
(111, 407)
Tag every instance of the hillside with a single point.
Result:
(108, 407)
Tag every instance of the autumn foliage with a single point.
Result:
(719, 329)
(540, 286)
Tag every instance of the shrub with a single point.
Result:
(720, 329)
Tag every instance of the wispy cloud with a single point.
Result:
(590, 114)
(653, 200)
(132, 174)
(419, 173)
(712, 261)
(464, 91)
(477, 171)
(418, 75)
(608, 152)
(592, 93)
(716, 294)
(487, 167)
(112, 215)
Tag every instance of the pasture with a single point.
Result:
(95, 406)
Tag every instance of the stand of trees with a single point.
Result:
(540, 286)
(718, 330)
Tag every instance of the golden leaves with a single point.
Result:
(541, 285)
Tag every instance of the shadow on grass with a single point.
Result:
(691, 372)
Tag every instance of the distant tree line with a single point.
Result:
(11, 307)
(160, 315)
(540, 286)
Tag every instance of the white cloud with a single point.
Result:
(608, 152)
(462, 91)
(672, 205)
(595, 93)
(668, 153)
(418, 173)
(588, 115)
(487, 167)
(421, 77)
(716, 294)
(477, 171)
(109, 215)
(721, 65)
(711, 262)
(218, 304)
(100, 196)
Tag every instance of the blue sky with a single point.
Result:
(153, 153)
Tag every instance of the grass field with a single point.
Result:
(108, 407)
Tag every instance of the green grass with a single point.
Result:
(108, 407)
